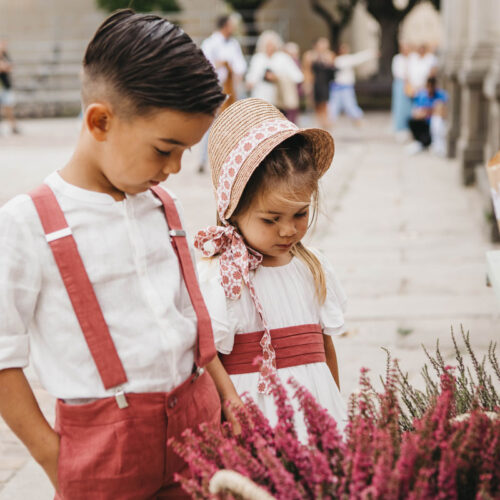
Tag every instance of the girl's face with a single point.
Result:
(274, 223)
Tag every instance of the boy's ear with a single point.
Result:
(98, 118)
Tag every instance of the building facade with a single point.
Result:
(471, 69)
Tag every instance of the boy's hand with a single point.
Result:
(21, 412)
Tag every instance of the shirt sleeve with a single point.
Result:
(257, 69)
(332, 310)
(20, 284)
(239, 64)
(215, 299)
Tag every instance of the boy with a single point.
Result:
(115, 324)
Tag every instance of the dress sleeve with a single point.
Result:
(20, 283)
(332, 311)
(215, 299)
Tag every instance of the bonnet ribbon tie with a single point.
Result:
(236, 259)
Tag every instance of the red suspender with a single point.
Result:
(205, 347)
(79, 288)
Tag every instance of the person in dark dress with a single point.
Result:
(320, 71)
(6, 92)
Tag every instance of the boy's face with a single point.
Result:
(140, 152)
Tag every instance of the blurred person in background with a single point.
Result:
(295, 91)
(422, 64)
(401, 102)
(427, 123)
(272, 74)
(7, 100)
(319, 69)
(226, 56)
(342, 93)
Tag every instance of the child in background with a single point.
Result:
(97, 281)
(267, 293)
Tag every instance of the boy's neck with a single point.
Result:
(83, 171)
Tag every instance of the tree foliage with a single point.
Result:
(140, 5)
(336, 14)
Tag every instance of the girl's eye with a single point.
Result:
(302, 214)
(162, 153)
(270, 221)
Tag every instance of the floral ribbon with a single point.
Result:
(236, 259)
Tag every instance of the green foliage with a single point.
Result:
(245, 4)
(474, 388)
(139, 5)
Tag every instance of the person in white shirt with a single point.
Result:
(401, 101)
(97, 284)
(224, 52)
(342, 94)
(422, 64)
(271, 71)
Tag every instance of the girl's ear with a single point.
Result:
(98, 117)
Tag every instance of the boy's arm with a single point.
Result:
(331, 358)
(226, 390)
(21, 412)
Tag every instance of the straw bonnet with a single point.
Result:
(230, 130)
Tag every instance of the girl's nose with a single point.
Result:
(287, 230)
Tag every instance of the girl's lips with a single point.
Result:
(285, 247)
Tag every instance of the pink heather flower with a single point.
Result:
(283, 484)
(446, 484)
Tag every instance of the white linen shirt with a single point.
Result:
(281, 64)
(346, 63)
(217, 48)
(135, 273)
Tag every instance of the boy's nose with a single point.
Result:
(173, 166)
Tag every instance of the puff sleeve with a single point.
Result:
(332, 310)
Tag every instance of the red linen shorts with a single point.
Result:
(108, 453)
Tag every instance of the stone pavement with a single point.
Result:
(406, 239)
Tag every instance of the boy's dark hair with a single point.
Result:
(142, 61)
(432, 81)
(222, 21)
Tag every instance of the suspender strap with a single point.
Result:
(205, 347)
(78, 286)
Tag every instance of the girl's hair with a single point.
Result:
(145, 62)
(290, 165)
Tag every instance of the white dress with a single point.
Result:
(287, 295)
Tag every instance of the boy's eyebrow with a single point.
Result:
(172, 141)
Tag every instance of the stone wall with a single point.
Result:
(471, 65)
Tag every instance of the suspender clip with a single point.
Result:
(177, 232)
(121, 400)
(197, 372)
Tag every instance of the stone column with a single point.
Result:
(477, 61)
(454, 14)
(491, 87)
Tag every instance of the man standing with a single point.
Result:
(224, 52)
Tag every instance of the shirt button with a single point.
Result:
(172, 402)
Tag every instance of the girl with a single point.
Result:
(267, 293)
